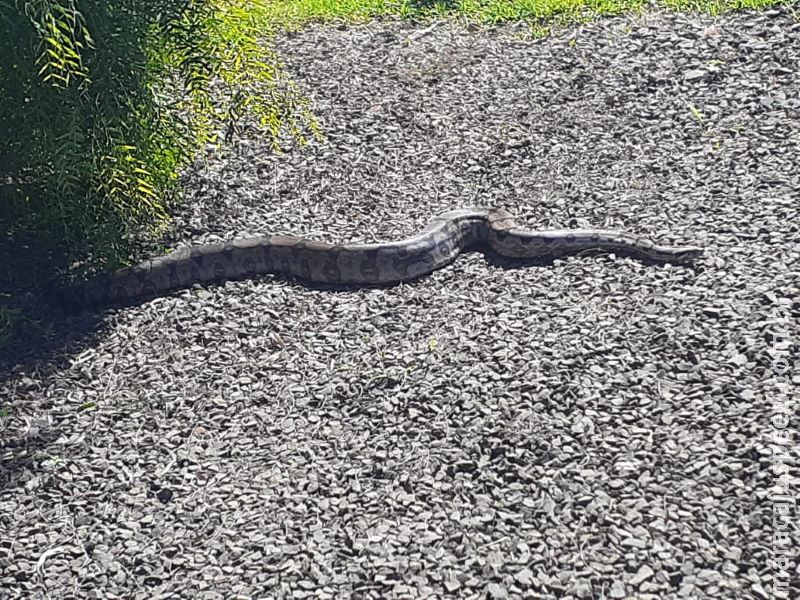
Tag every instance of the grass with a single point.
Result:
(716, 7)
(292, 14)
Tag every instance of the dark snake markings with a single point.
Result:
(360, 264)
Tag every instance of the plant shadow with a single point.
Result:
(35, 331)
(37, 337)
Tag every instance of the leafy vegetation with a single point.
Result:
(103, 101)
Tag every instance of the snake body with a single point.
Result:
(361, 264)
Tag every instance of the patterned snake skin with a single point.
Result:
(360, 265)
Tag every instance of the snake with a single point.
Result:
(492, 230)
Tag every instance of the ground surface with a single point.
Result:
(591, 428)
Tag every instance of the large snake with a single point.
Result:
(360, 264)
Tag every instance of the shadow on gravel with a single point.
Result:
(35, 332)
(503, 262)
(495, 261)
(36, 338)
(41, 336)
(47, 332)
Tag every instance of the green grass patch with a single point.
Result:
(718, 7)
(292, 14)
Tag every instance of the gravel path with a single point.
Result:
(593, 428)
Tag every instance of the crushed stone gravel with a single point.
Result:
(591, 428)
